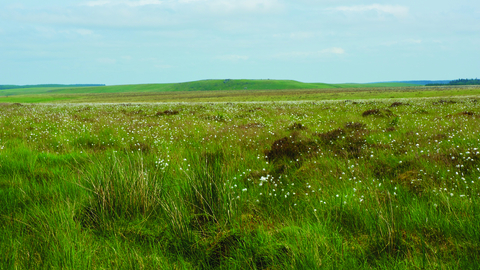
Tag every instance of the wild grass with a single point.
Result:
(203, 85)
(380, 184)
(230, 91)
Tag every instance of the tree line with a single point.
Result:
(459, 82)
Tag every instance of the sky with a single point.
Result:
(163, 41)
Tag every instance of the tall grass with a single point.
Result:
(334, 185)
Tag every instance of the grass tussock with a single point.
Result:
(167, 112)
(120, 189)
(378, 113)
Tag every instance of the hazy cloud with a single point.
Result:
(311, 54)
(126, 3)
(403, 42)
(84, 32)
(232, 57)
(136, 41)
(217, 6)
(143, 13)
(397, 11)
(333, 50)
(244, 5)
(163, 66)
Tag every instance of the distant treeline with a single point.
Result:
(2, 87)
(459, 82)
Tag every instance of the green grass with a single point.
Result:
(204, 85)
(248, 95)
(360, 184)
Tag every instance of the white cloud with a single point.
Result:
(232, 57)
(126, 3)
(311, 54)
(397, 11)
(333, 50)
(217, 6)
(244, 5)
(84, 32)
(402, 42)
(146, 13)
(300, 35)
(414, 41)
(96, 3)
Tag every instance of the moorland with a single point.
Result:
(228, 91)
(332, 178)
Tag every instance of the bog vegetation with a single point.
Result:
(276, 185)
(226, 91)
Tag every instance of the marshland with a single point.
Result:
(364, 184)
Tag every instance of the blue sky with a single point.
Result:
(161, 41)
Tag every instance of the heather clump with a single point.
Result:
(290, 147)
(167, 112)
(378, 113)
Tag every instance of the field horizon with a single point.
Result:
(228, 91)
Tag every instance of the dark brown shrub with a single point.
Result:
(290, 147)
(331, 136)
(354, 126)
(466, 113)
(385, 170)
(348, 142)
(353, 146)
(465, 160)
(371, 112)
(297, 126)
(378, 112)
(390, 129)
(255, 109)
(167, 112)
(421, 111)
(396, 104)
(441, 101)
(410, 180)
(439, 137)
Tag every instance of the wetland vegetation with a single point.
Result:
(360, 184)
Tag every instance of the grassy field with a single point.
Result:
(37, 94)
(159, 93)
(359, 184)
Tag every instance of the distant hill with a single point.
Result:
(215, 85)
(203, 85)
(460, 82)
(424, 82)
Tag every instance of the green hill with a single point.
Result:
(203, 85)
